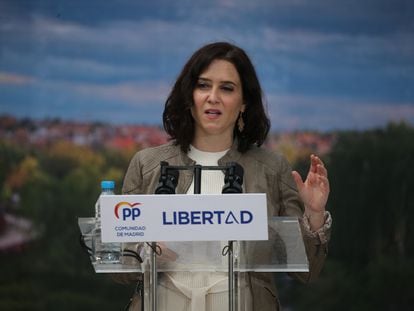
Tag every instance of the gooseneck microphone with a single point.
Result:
(168, 179)
(233, 179)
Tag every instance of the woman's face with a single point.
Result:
(218, 101)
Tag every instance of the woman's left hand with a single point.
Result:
(314, 191)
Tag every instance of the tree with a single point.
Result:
(370, 258)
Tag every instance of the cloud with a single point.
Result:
(179, 37)
(130, 93)
(133, 93)
(15, 79)
(82, 68)
(327, 113)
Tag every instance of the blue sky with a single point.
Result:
(323, 64)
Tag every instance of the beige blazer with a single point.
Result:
(264, 172)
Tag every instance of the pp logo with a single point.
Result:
(129, 211)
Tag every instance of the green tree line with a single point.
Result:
(369, 265)
(57, 185)
(371, 254)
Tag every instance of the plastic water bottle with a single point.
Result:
(104, 253)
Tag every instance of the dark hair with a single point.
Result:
(177, 118)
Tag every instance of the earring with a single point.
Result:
(240, 122)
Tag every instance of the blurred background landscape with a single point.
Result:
(82, 88)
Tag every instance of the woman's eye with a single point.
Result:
(227, 88)
(202, 85)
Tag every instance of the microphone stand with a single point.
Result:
(233, 184)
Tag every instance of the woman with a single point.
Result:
(215, 115)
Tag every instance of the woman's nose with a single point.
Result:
(213, 96)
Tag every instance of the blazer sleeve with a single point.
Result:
(292, 205)
(133, 184)
(133, 180)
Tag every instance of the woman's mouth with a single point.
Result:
(213, 112)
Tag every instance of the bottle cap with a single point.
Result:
(107, 184)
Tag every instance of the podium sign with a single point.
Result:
(194, 217)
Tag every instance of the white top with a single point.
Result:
(211, 181)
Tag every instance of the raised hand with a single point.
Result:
(314, 191)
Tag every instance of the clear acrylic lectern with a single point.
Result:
(193, 261)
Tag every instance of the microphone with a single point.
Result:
(168, 179)
(233, 180)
